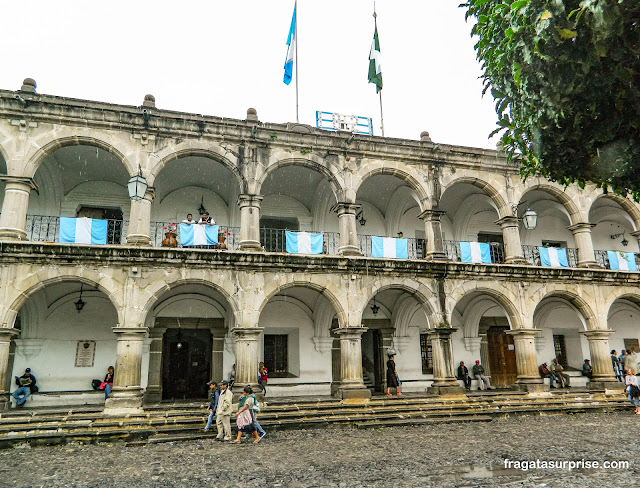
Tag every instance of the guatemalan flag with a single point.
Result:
(291, 41)
(475, 252)
(199, 235)
(554, 257)
(623, 261)
(304, 243)
(83, 230)
(389, 247)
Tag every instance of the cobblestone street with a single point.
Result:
(454, 455)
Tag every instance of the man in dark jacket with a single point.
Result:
(26, 385)
(214, 393)
(545, 373)
(463, 374)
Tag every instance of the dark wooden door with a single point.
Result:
(186, 367)
(502, 357)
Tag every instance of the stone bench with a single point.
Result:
(63, 398)
(474, 383)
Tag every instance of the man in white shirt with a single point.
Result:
(205, 219)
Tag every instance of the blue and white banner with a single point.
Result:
(304, 243)
(291, 42)
(475, 252)
(554, 257)
(83, 230)
(623, 261)
(199, 235)
(389, 247)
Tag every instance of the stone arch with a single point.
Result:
(275, 287)
(77, 140)
(626, 204)
(311, 162)
(87, 278)
(422, 294)
(575, 215)
(496, 197)
(578, 303)
(198, 149)
(475, 310)
(405, 176)
(631, 298)
(154, 292)
(507, 304)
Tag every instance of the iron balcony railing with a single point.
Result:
(532, 255)
(46, 228)
(159, 231)
(415, 246)
(602, 258)
(275, 240)
(452, 250)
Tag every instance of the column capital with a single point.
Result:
(249, 200)
(441, 332)
(635, 234)
(508, 221)
(7, 335)
(523, 333)
(431, 214)
(350, 332)
(581, 227)
(247, 331)
(20, 181)
(345, 208)
(130, 333)
(150, 194)
(597, 333)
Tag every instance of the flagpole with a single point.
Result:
(296, 47)
(375, 22)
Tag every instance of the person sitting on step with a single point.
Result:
(463, 374)
(478, 372)
(586, 369)
(558, 371)
(545, 373)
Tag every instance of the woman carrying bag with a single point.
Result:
(245, 416)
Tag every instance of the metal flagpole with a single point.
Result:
(295, 35)
(375, 22)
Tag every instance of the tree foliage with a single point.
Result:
(565, 75)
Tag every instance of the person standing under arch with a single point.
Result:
(392, 375)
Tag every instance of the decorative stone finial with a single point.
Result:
(29, 85)
(252, 114)
(424, 136)
(149, 101)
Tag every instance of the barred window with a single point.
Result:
(425, 354)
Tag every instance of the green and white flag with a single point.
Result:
(375, 69)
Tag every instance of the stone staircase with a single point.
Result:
(175, 422)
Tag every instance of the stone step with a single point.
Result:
(417, 421)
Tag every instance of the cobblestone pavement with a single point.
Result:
(455, 455)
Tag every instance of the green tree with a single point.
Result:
(565, 75)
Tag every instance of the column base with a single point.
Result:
(354, 393)
(10, 234)
(515, 260)
(606, 386)
(123, 403)
(446, 390)
(152, 395)
(238, 388)
(349, 251)
(250, 246)
(5, 402)
(436, 256)
(589, 264)
(532, 387)
(138, 240)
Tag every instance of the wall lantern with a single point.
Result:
(80, 303)
(624, 240)
(374, 308)
(137, 186)
(530, 219)
(360, 218)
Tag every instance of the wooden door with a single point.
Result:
(502, 357)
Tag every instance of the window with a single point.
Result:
(276, 355)
(489, 237)
(560, 349)
(114, 219)
(426, 354)
(554, 244)
(631, 344)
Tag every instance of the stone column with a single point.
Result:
(582, 236)
(351, 382)
(153, 392)
(527, 359)
(139, 232)
(247, 342)
(13, 219)
(126, 396)
(484, 354)
(217, 352)
(6, 365)
(347, 226)
(603, 377)
(511, 237)
(434, 245)
(249, 222)
(444, 378)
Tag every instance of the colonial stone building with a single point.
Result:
(170, 318)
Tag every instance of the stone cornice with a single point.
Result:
(166, 123)
(62, 255)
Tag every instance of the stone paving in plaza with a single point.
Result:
(445, 455)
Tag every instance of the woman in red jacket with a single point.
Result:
(262, 378)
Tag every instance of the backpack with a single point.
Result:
(95, 384)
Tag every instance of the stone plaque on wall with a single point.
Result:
(85, 354)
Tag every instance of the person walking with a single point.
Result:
(223, 413)
(245, 416)
(615, 364)
(631, 361)
(213, 402)
(392, 375)
(633, 390)
(263, 375)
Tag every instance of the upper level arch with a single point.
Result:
(422, 193)
(490, 189)
(574, 213)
